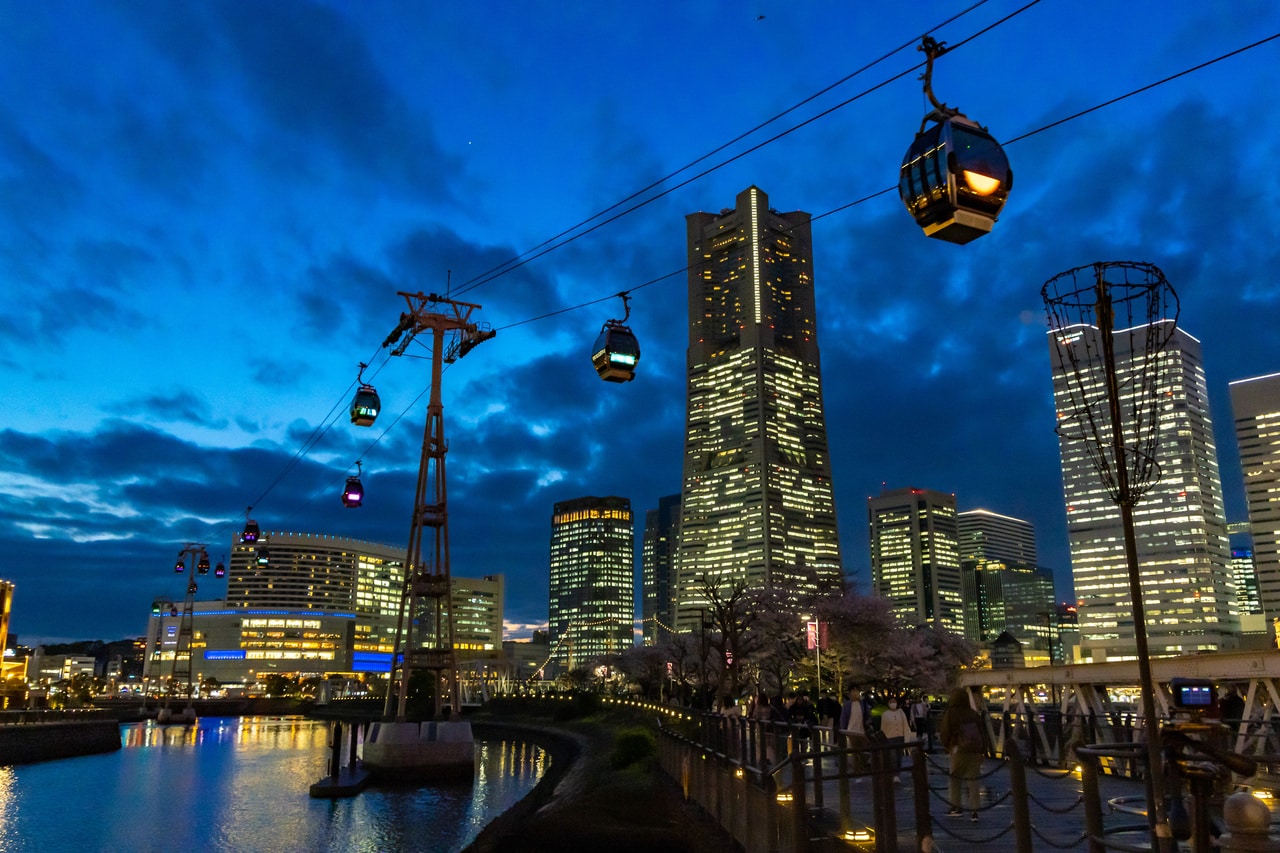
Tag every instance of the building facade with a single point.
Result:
(478, 605)
(1009, 598)
(1255, 403)
(987, 535)
(657, 565)
(591, 613)
(758, 508)
(1180, 526)
(915, 556)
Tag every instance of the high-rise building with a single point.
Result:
(1009, 598)
(758, 509)
(477, 616)
(326, 574)
(592, 606)
(657, 561)
(1188, 593)
(1256, 405)
(1244, 570)
(989, 535)
(915, 556)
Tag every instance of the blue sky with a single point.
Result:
(206, 211)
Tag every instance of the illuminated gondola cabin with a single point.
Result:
(365, 406)
(220, 570)
(180, 566)
(955, 179)
(263, 556)
(615, 353)
(353, 494)
(202, 565)
(251, 532)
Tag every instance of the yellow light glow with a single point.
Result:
(981, 184)
(784, 798)
(1262, 795)
(864, 834)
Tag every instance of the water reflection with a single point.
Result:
(226, 784)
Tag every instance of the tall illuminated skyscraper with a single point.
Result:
(657, 559)
(988, 535)
(757, 502)
(915, 556)
(1188, 591)
(1256, 405)
(592, 589)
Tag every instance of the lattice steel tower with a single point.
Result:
(425, 598)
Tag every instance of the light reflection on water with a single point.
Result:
(228, 784)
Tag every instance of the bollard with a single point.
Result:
(1092, 805)
(920, 787)
(1248, 823)
(335, 761)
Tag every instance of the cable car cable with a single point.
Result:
(523, 258)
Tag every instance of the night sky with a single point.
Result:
(206, 210)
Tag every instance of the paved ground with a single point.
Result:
(1056, 810)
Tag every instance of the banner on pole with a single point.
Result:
(815, 635)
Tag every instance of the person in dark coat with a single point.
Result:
(961, 735)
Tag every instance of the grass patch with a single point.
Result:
(631, 745)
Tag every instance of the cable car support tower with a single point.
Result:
(425, 600)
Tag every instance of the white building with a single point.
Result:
(1184, 560)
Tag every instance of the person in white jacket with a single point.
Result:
(896, 729)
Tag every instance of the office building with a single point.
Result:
(1255, 403)
(477, 616)
(757, 505)
(915, 556)
(986, 535)
(592, 588)
(1188, 593)
(1243, 569)
(1009, 598)
(657, 565)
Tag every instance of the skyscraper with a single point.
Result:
(915, 556)
(989, 535)
(592, 589)
(757, 502)
(1256, 405)
(1181, 530)
(1243, 569)
(657, 559)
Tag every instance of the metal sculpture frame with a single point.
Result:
(1117, 417)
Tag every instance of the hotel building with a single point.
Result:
(757, 503)
(1185, 568)
(592, 587)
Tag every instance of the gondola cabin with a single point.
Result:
(955, 179)
(353, 494)
(220, 571)
(615, 353)
(263, 556)
(202, 565)
(180, 566)
(251, 532)
(365, 406)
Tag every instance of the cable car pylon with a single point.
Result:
(425, 599)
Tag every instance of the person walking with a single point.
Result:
(961, 735)
(896, 729)
(920, 720)
(852, 724)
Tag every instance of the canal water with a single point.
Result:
(241, 785)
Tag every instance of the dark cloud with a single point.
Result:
(173, 407)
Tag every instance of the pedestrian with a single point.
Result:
(961, 735)
(1232, 706)
(923, 725)
(761, 711)
(854, 728)
(896, 729)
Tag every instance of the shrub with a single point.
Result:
(632, 745)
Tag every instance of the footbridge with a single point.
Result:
(1099, 703)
